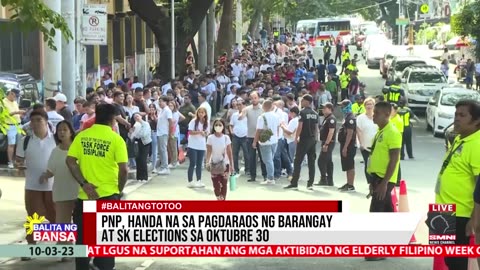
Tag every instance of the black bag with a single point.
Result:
(132, 148)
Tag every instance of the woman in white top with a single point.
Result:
(130, 109)
(197, 145)
(141, 135)
(290, 130)
(172, 146)
(366, 131)
(219, 158)
(65, 187)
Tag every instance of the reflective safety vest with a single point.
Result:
(344, 79)
(345, 56)
(276, 34)
(405, 114)
(393, 94)
(358, 109)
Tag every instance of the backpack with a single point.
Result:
(266, 132)
(25, 142)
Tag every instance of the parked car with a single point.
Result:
(441, 107)
(376, 53)
(420, 83)
(386, 60)
(371, 39)
(399, 63)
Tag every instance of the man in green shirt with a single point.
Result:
(187, 110)
(332, 87)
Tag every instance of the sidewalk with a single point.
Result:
(12, 207)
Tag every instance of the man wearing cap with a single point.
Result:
(307, 132)
(348, 149)
(10, 102)
(62, 107)
(328, 132)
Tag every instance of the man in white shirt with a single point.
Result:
(265, 66)
(164, 132)
(281, 158)
(136, 84)
(53, 116)
(166, 87)
(35, 152)
(237, 68)
(268, 120)
(239, 130)
(234, 82)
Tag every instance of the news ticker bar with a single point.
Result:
(48, 251)
(249, 228)
(65, 251)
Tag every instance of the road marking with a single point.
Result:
(145, 265)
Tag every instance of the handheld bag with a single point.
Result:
(266, 132)
(219, 167)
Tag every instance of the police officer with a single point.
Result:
(306, 139)
(394, 92)
(406, 115)
(348, 149)
(328, 131)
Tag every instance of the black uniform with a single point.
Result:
(307, 146)
(325, 163)
(350, 122)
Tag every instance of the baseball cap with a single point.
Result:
(345, 102)
(60, 97)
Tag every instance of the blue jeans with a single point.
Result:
(292, 147)
(237, 144)
(268, 152)
(154, 157)
(282, 159)
(196, 161)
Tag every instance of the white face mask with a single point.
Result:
(218, 129)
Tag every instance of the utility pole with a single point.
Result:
(202, 46)
(52, 61)
(81, 51)
(211, 32)
(239, 23)
(68, 53)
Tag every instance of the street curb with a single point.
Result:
(131, 186)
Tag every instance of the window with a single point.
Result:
(426, 77)
(138, 25)
(451, 99)
(128, 37)
(117, 54)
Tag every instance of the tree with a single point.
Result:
(467, 23)
(32, 15)
(189, 16)
(29, 16)
(225, 32)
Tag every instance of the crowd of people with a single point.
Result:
(270, 101)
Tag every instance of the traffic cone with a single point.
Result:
(403, 204)
(472, 262)
(394, 199)
(439, 263)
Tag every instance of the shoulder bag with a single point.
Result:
(217, 168)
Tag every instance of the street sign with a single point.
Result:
(424, 8)
(402, 21)
(94, 25)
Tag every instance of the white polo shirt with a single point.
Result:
(36, 158)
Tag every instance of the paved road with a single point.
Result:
(420, 175)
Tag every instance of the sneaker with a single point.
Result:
(154, 171)
(310, 187)
(292, 187)
(347, 188)
(11, 166)
(251, 180)
(321, 183)
(191, 185)
(271, 182)
(265, 182)
(164, 172)
(172, 166)
(199, 184)
(220, 198)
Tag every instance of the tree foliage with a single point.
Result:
(467, 23)
(32, 15)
